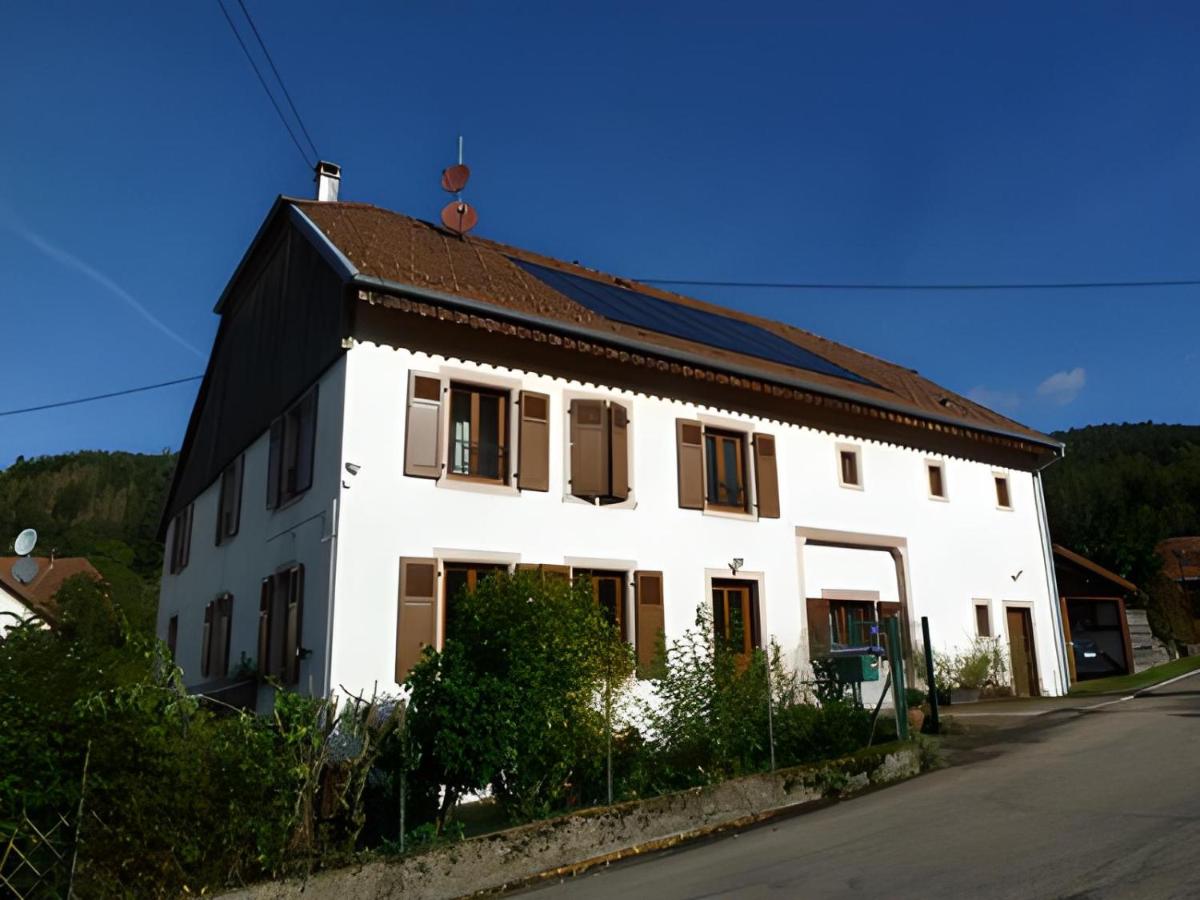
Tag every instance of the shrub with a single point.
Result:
(515, 700)
(983, 664)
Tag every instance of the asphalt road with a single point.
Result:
(1100, 804)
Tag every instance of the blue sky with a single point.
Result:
(799, 142)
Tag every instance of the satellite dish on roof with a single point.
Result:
(459, 217)
(454, 178)
(25, 542)
(25, 570)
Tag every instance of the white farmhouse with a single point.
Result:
(391, 411)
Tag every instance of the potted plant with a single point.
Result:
(915, 700)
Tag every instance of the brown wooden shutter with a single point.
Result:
(766, 477)
(206, 641)
(185, 541)
(618, 423)
(887, 609)
(819, 635)
(306, 441)
(265, 601)
(423, 427)
(275, 463)
(416, 618)
(589, 449)
(689, 444)
(648, 594)
(293, 625)
(533, 442)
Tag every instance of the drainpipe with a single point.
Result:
(335, 513)
(1060, 646)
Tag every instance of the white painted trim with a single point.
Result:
(856, 449)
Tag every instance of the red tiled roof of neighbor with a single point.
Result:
(38, 595)
(1180, 556)
(407, 251)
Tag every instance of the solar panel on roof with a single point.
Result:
(635, 308)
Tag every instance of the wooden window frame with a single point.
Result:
(930, 465)
(228, 525)
(986, 606)
(750, 608)
(504, 400)
(621, 579)
(854, 451)
(286, 482)
(740, 440)
(997, 479)
(274, 600)
(181, 540)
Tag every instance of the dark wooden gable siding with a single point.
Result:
(282, 323)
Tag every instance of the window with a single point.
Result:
(983, 620)
(599, 431)
(280, 620)
(849, 467)
(1003, 500)
(478, 433)
(851, 621)
(181, 540)
(293, 444)
(460, 578)
(725, 469)
(214, 646)
(735, 615)
(937, 480)
(173, 635)
(608, 590)
(229, 501)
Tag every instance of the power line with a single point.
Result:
(263, 82)
(279, 78)
(136, 390)
(864, 286)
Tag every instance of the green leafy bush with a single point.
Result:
(516, 698)
(983, 664)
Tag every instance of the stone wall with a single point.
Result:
(572, 843)
(1148, 651)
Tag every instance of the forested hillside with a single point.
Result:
(1119, 491)
(101, 505)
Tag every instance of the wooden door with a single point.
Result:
(1021, 649)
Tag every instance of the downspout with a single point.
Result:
(333, 541)
(1060, 646)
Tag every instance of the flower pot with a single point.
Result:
(964, 695)
(916, 718)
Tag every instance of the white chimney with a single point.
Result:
(328, 178)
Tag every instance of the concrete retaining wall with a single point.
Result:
(572, 843)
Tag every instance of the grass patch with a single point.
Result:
(1126, 683)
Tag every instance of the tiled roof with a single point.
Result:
(405, 251)
(38, 595)
(1180, 556)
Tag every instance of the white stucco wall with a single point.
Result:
(12, 610)
(955, 552)
(266, 541)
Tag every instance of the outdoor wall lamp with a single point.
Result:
(736, 563)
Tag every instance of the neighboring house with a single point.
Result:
(1096, 624)
(390, 412)
(20, 600)
(1181, 563)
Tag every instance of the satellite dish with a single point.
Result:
(454, 178)
(25, 570)
(459, 217)
(25, 542)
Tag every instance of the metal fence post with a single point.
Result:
(896, 660)
(929, 677)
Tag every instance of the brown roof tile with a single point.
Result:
(406, 251)
(1180, 556)
(38, 595)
